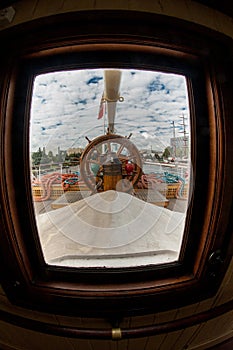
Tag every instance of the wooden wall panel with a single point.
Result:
(184, 9)
(24, 339)
(213, 329)
(47, 7)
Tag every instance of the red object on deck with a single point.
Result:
(129, 167)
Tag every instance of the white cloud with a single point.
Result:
(65, 108)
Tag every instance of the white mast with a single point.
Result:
(112, 79)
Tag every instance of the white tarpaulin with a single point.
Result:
(107, 225)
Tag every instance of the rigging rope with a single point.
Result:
(151, 181)
(48, 180)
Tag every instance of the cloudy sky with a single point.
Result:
(65, 108)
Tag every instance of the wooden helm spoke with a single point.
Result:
(109, 146)
(97, 152)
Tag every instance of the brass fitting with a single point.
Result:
(116, 334)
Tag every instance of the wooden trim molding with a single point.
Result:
(159, 43)
(124, 333)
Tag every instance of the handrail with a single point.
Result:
(115, 333)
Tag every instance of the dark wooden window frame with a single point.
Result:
(159, 43)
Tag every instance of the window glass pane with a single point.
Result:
(110, 166)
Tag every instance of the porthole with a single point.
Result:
(110, 168)
(171, 108)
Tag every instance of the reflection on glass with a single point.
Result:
(110, 155)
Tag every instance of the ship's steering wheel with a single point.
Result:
(100, 149)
